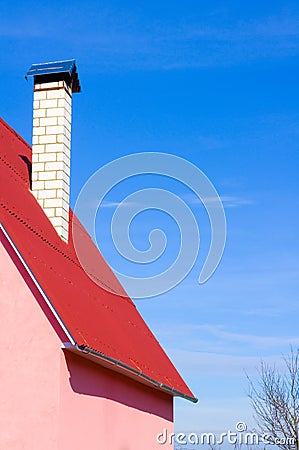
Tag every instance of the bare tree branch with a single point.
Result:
(275, 402)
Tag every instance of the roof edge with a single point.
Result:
(87, 352)
(125, 369)
(38, 286)
(15, 133)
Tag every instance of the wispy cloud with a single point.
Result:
(208, 363)
(262, 312)
(198, 45)
(251, 339)
(119, 40)
(238, 41)
(285, 26)
(228, 201)
(111, 204)
(216, 339)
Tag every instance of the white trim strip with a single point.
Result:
(47, 300)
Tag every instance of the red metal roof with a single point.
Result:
(103, 321)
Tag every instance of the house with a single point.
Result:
(79, 367)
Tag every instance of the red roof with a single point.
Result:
(97, 319)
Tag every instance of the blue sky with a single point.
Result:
(215, 83)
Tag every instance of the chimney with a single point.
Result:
(54, 84)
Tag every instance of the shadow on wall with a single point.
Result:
(89, 378)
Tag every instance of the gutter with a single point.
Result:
(136, 373)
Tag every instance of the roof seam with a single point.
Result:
(13, 169)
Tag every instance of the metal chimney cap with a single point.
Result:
(46, 72)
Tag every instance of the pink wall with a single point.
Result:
(122, 414)
(52, 399)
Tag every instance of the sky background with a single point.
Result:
(215, 83)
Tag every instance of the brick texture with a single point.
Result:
(51, 152)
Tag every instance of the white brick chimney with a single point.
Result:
(54, 84)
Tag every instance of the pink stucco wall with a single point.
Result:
(52, 399)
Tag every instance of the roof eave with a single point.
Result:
(118, 366)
